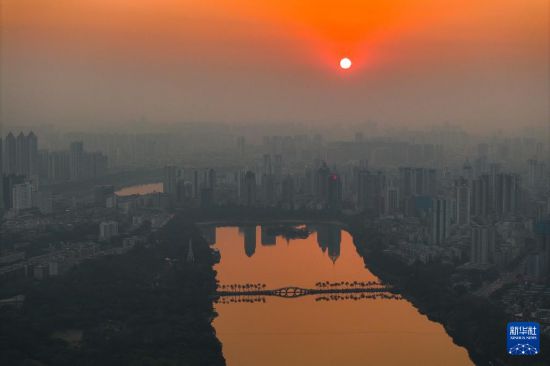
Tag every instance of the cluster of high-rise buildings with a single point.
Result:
(446, 186)
(450, 193)
(25, 170)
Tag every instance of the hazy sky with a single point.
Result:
(481, 64)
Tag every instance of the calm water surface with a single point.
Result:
(140, 189)
(306, 331)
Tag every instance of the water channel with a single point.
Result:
(346, 329)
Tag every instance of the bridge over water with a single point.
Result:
(293, 292)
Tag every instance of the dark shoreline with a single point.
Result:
(472, 322)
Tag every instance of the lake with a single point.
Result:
(322, 329)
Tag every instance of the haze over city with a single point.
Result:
(479, 65)
(275, 182)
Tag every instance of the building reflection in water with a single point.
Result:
(329, 238)
(249, 233)
(268, 238)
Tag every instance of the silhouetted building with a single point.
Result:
(108, 230)
(370, 191)
(481, 196)
(288, 191)
(22, 196)
(334, 191)
(392, 200)
(321, 182)
(10, 153)
(76, 157)
(440, 220)
(463, 201)
(248, 192)
(171, 176)
(483, 243)
(507, 194)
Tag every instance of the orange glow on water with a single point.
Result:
(304, 331)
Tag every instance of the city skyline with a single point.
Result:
(275, 182)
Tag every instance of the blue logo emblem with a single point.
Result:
(523, 338)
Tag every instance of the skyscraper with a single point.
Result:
(22, 196)
(248, 196)
(481, 196)
(370, 191)
(391, 200)
(22, 155)
(169, 180)
(334, 200)
(483, 243)
(463, 201)
(321, 182)
(76, 153)
(440, 220)
(506, 195)
(32, 146)
(10, 152)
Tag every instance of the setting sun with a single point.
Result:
(345, 63)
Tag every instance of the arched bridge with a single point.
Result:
(290, 292)
(294, 292)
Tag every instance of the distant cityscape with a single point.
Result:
(478, 204)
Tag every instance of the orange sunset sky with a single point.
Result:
(481, 64)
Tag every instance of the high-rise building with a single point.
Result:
(370, 190)
(507, 194)
(321, 182)
(463, 201)
(10, 152)
(169, 180)
(108, 230)
(76, 156)
(248, 192)
(482, 243)
(391, 200)
(417, 182)
(32, 154)
(288, 190)
(536, 174)
(22, 196)
(440, 220)
(59, 166)
(481, 197)
(268, 189)
(334, 199)
(22, 157)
